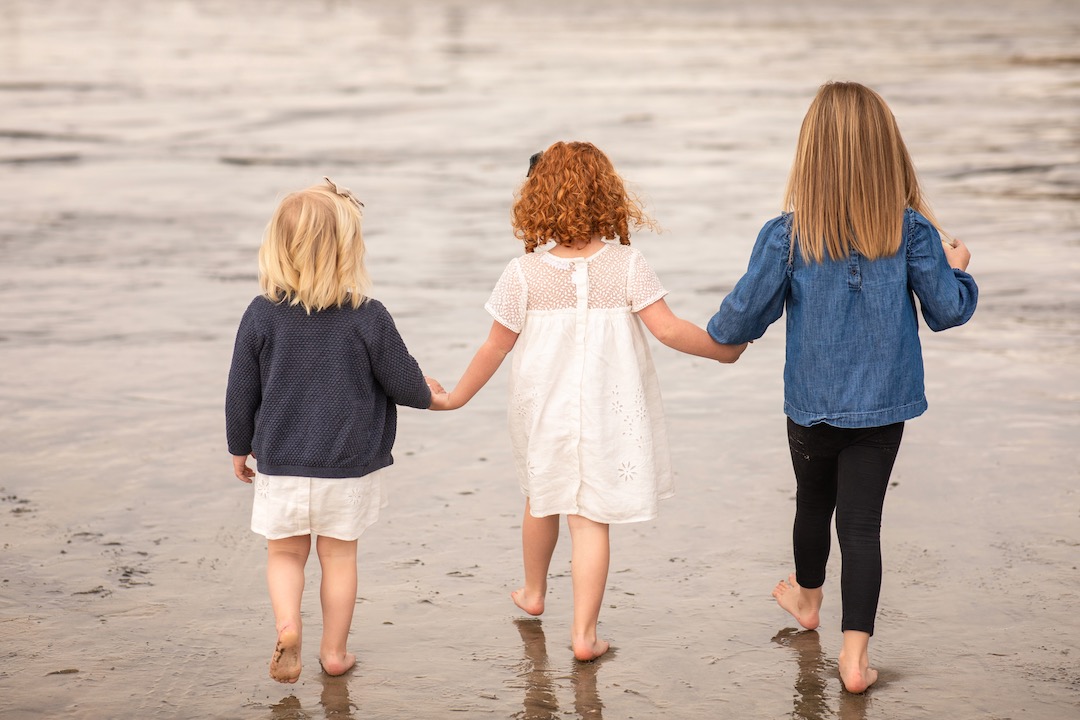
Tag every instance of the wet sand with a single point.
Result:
(142, 149)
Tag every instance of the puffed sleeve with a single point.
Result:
(947, 296)
(643, 287)
(757, 300)
(509, 298)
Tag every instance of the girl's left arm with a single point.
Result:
(393, 367)
(685, 336)
(488, 358)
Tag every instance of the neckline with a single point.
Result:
(553, 246)
(564, 262)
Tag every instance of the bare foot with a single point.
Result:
(337, 664)
(803, 603)
(856, 677)
(285, 663)
(856, 673)
(585, 650)
(530, 604)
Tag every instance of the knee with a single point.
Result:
(330, 548)
(858, 532)
(298, 547)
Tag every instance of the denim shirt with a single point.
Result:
(853, 353)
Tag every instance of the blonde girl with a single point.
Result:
(586, 419)
(846, 261)
(318, 370)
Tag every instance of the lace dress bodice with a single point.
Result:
(617, 277)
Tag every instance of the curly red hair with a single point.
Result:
(573, 194)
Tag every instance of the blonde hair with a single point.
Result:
(572, 194)
(852, 178)
(313, 251)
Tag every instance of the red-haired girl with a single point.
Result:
(586, 419)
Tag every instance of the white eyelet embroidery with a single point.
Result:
(262, 486)
(634, 417)
(354, 495)
(523, 401)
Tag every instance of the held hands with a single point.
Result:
(499, 343)
(241, 470)
(440, 399)
(736, 350)
(957, 254)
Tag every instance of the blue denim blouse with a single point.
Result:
(853, 353)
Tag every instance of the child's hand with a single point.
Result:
(434, 385)
(739, 349)
(440, 400)
(958, 255)
(240, 468)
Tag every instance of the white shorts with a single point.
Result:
(342, 508)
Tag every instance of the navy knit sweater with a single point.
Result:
(316, 395)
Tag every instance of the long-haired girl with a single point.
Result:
(857, 243)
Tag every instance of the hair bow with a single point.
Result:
(532, 162)
(345, 193)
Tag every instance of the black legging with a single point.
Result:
(846, 469)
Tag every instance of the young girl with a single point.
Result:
(586, 420)
(857, 242)
(317, 372)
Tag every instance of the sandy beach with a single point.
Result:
(143, 146)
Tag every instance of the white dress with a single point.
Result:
(586, 418)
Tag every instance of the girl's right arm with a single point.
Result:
(488, 358)
(243, 394)
(685, 336)
(757, 300)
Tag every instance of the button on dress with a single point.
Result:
(586, 418)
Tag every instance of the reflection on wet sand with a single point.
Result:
(335, 697)
(334, 700)
(541, 701)
(812, 685)
(288, 709)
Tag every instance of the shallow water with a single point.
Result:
(142, 149)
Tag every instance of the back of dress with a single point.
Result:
(586, 417)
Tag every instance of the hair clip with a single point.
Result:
(532, 162)
(344, 192)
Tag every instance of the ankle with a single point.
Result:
(855, 647)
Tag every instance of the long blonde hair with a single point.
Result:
(313, 251)
(852, 177)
